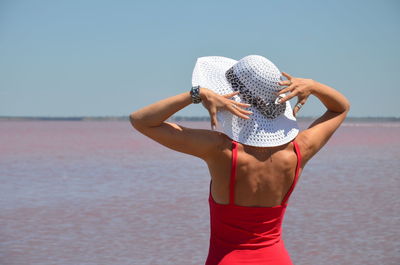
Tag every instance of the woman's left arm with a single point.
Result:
(150, 121)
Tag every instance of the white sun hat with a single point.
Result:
(271, 124)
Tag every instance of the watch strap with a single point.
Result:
(195, 94)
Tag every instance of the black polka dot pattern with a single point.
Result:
(270, 110)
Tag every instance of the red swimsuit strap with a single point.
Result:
(296, 176)
(233, 174)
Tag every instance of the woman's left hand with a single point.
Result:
(214, 102)
(300, 87)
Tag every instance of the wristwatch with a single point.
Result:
(195, 94)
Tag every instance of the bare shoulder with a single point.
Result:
(222, 147)
(302, 142)
(312, 139)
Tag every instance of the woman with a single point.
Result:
(256, 160)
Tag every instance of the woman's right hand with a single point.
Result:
(300, 87)
(214, 102)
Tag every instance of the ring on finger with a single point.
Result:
(299, 105)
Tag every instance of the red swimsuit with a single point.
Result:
(248, 235)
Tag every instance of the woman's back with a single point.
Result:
(263, 176)
(250, 234)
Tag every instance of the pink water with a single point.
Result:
(88, 192)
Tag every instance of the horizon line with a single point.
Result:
(176, 118)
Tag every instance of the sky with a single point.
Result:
(110, 58)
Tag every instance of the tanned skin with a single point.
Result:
(264, 174)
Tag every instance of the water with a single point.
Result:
(98, 192)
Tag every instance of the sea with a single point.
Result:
(91, 192)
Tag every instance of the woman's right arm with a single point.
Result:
(318, 133)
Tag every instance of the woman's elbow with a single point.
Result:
(347, 106)
(134, 118)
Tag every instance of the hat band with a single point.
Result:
(270, 110)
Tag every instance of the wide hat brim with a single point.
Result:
(209, 72)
